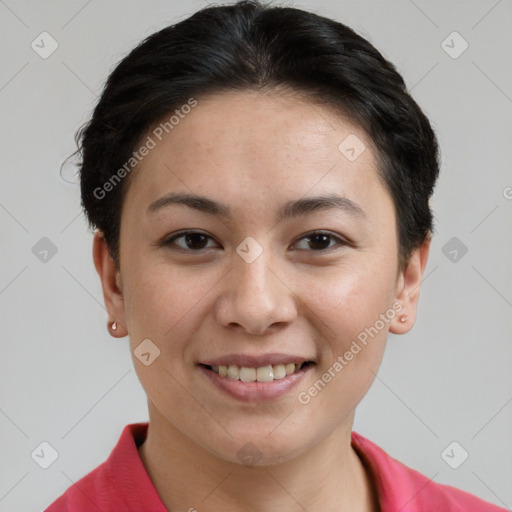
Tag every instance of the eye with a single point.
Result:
(319, 240)
(191, 240)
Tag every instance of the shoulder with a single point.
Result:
(94, 491)
(402, 488)
(119, 483)
(87, 493)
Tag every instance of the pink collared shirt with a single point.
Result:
(121, 483)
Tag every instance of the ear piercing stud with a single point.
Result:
(403, 318)
(114, 326)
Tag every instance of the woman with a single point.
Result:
(259, 179)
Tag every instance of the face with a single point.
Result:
(279, 278)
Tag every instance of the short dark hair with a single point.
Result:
(265, 48)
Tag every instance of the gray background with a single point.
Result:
(65, 381)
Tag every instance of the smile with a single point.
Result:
(267, 373)
(262, 382)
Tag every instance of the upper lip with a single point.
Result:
(255, 361)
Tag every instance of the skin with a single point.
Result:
(195, 304)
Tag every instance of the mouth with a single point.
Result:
(262, 382)
(268, 373)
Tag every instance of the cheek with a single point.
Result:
(163, 302)
(347, 306)
(348, 298)
(151, 303)
(346, 312)
(162, 305)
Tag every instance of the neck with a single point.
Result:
(329, 476)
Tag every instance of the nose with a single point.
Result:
(257, 296)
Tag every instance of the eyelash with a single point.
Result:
(170, 240)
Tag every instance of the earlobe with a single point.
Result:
(110, 278)
(408, 289)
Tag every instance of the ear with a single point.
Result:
(408, 289)
(111, 283)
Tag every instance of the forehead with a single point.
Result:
(262, 124)
(260, 146)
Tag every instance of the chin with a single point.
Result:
(260, 449)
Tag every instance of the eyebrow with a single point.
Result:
(291, 209)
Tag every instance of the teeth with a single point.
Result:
(247, 374)
(279, 371)
(261, 374)
(233, 372)
(265, 374)
(290, 368)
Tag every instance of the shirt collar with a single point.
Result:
(399, 488)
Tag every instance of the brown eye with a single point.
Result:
(320, 240)
(192, 241)
(189, 240)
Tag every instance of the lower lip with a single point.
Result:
(256, 391)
